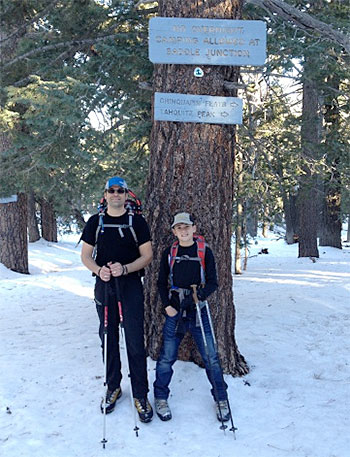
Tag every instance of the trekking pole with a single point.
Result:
(105, 334)
(233, 428)
(121, 323)
(196, 300)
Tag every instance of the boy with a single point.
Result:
(185, 270)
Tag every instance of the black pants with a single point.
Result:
(133, 318)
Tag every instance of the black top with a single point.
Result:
(186, 272)
(111, 247)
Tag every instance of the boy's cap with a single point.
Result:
(116, 181)
(182, 218)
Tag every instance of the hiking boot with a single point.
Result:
(162, 409)
(222, 406)
(111, 399)
(144, 409)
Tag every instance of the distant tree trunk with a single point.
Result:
(348, 233)
(13, 235)
(291, 218)
(307, 197)
(251, 213)
(265, 224)
(331, 219)
(48, 221)
(79, 219)
(238, 169)
(191, 169)
(33, 227)
(331, 216)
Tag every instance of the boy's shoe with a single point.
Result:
(144, 409)
(222, 406)
(162, 409)
(111, 399)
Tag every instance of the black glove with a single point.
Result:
(201, 295)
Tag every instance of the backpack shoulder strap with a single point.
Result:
(171, 259)
(201, 245)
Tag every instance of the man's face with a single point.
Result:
(115, 197)
(184, 232)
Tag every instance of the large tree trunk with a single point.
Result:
(13, 235)
(33, 228)
(191, 169)
(48, 221)
(307, 197)
(13, 216)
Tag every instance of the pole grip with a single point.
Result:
(195, 296)
(120, 308)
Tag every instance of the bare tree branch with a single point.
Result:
(303, 20)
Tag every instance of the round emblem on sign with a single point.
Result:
(198, 72)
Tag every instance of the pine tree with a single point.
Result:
(191, 169)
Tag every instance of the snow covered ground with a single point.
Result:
(293, 319)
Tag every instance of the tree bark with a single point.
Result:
(191, 169)
(13, 235)
(307, 197)
(48, 221)
(33, 228)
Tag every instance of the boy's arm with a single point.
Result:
(211, 282)
(163, 279)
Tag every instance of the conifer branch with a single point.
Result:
(26, 24)
(51, 47)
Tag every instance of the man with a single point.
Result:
(123, 250)
(186, 263)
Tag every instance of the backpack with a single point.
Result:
(201, 245)
(132, 204)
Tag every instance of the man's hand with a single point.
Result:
(116, 269)
(105, 273)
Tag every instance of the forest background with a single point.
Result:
(76, 108)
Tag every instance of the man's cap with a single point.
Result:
(182, 218)
(116, 181)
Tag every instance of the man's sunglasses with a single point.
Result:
(118, 191)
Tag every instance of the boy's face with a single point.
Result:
(184, 233)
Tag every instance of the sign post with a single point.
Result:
(197, 41)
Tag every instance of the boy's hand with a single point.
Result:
(171, 312)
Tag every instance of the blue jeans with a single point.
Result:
(169, 351)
